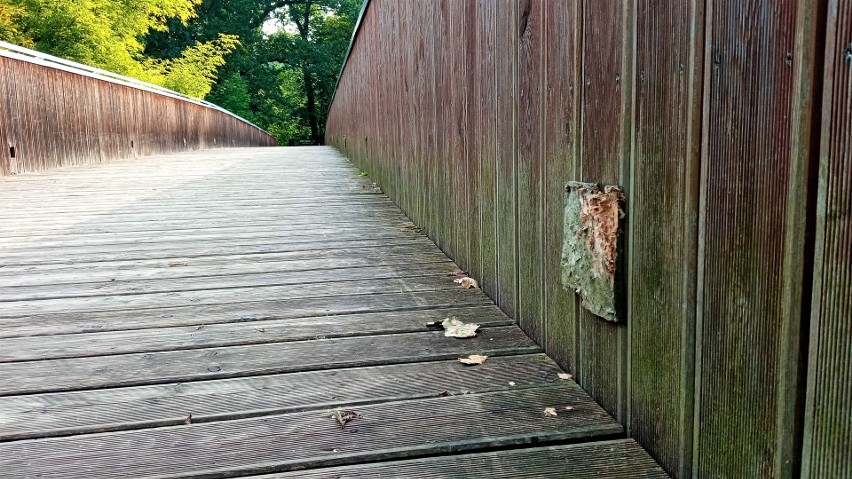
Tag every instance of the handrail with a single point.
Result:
(17, 52)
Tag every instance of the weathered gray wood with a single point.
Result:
(71, 322)
(30, 377)
(313, 438)
(14, 276)
(616, 459)
(313, 249)
(230, 295)
(137, 407)
(210, 281)
(230, 334)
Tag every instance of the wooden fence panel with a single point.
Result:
(61, 116)
(663, 238)
(828, 420)
(702, 112)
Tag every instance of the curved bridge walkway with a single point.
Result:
(208, 314)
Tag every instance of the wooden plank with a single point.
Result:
(139, 407)
(61, 346)
(752, 204)
(561, 139)
(178, 252)
(71, 322)
(828, 413)
(529, 175)
(205, 266)
(111, 287)
(507, 215)
(616, 459)
(235, 295)
(28, 377)
(385, 431)
(663, 235)
(605, 146)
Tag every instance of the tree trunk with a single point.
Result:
(311, 106)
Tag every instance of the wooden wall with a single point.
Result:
(728, 125)
(51, 117)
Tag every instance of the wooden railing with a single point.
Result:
(728, 126)
(54, 112)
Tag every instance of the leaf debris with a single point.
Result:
(344, 417)
(456, 328)
(473, 359)
(188, 419)
(565, 376)
(550, 412)
(467, 283)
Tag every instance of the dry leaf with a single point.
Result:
(473, 359)
(565, 376)
(550, 412)
(511, 383)
(345, 416)
(455, 328)
(466, 282)
(177, 263)
(569, 408)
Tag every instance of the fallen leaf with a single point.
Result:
(466, 282)
(569, 408)
(455, 328)
(445, 393)
(511, 383)
(565, 376)
(344, 417)
(188, 419)
(177, 263)
(473, 359)
(550, 412)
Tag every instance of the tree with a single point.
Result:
(110, 34)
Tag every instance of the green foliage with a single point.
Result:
(110, 34)
(9, 18)
(216, 49)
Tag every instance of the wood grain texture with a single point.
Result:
(393, 430)
(663, 235)
(828, 416)
(593, 461)
(55, 118)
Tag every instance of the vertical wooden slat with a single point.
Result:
(663, 240)
(529, 179)
(828, 419)
(487, 131)
(603, 347)
(561, 132)
(749, 199)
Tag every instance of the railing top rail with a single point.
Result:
(16, 52)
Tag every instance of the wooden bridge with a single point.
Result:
(176, 304)
(208, 314)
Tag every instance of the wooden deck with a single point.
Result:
(205, 315)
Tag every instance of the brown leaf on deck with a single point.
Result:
(455, 328)
(550, 412)
(344, 417)
(467, 283)
(473, 359)
(565, 376)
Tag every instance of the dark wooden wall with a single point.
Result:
(728, 125)
(51, 117)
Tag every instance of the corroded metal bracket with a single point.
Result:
(591, 246)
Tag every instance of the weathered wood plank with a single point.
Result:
(30, 377)
(208, 282)
(137, 407)
(234, 295)
(616, 459)
(312, 439)
(245, 332)
(71, 322)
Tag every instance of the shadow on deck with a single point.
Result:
(205, 315)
